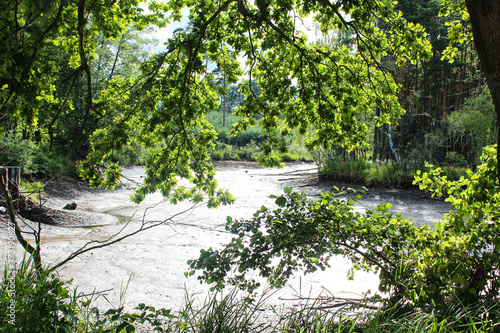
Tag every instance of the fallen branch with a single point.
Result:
(145, 225)
(337, 302)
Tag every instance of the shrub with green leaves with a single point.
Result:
(305, 233)
(32, 157)
(39, 301)
(455, 261)
(466, 245)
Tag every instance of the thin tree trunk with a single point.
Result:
(375, 137)
(34, 251)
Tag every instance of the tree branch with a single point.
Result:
(112, 239)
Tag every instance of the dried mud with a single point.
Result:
(151, 264)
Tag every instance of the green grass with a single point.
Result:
(378, 175)
(49, 305)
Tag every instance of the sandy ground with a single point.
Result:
(153, 262)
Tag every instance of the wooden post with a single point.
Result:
(12, 178)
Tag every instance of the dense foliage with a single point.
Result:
(73, 81)
(163, 105)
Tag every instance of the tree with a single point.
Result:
(30, 88)
(302, 85)
(164, 108)
(482, 17)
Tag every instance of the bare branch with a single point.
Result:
(145, 225)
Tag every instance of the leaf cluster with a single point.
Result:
(164, 105)
(35, 301)
(303, 234)
(459, 28)
(302, 86)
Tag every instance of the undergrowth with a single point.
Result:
(45, 303)
(246, 145)
(378, 174)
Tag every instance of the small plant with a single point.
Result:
(42, 302)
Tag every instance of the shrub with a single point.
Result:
(455, 262)
(34, 158)
(42, 302)
(455, 159)
(241, 139)
(131, 154)
(453, 173)
(15, 151)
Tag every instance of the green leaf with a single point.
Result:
(281, 201)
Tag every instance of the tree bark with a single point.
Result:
(375, 138)
(485, 23)
(12, 179)
(34, 251)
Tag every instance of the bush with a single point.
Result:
(15, 151)
(34, 158)
(241, 139)
(455, 263)
(246, 145)
(131, 154)
(39, 301)
(455, 159)
(453, 173)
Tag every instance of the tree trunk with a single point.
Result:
(485, 22)
(375, 137)
(12, 179)
(224, 103)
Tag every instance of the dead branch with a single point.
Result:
(96, 244)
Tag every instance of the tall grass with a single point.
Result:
(477, 318)
(33, 301)
(45, 303)
(378, 175)
(219, 313)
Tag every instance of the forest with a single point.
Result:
(384, 93)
